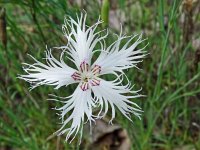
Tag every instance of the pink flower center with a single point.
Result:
(87, 76)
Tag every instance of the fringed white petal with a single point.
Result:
(116, 58)
(55, 73)
(81, 39)
(113, 93)
(80, 105)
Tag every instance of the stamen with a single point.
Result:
(96, 70)
(95, 82)
(76, 76)
(85, 86)
(84, 66)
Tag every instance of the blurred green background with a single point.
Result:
(169, 75)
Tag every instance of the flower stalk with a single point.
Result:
(105, 12)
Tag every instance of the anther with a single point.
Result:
(95, 82)
(96, 69)
(84, 66)
(76, 76)
(85, 86)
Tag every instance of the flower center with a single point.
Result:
(86, 79)
(87, 76)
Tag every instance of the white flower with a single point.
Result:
(92, 91)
